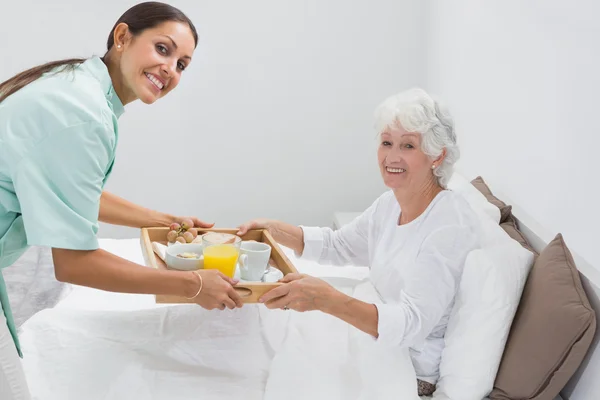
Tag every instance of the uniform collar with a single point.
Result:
(99, 70)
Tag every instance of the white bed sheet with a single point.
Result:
(101, 345)
(31, 285)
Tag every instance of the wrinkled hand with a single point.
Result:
(300, 293)
(260, 223)
(217, 291)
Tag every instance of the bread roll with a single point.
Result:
(219, 238)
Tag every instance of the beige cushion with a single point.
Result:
(551, 332)
(505, 210)
(507, 221)
(512, 229)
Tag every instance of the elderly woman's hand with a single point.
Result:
(260, 223)
(300, 293)
(285, 234)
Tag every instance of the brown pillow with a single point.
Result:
(511, 227)
(505, 210)
(551, 332)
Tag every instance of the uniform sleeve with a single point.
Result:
(429, 288)
(348, 245)
(59, 183)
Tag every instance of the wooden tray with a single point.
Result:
(250, 292)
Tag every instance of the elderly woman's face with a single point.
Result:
(401, 161)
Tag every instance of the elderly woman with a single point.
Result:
(415, 239)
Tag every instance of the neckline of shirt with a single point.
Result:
(398, 212)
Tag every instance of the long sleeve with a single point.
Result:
(430, 286)
(347, 245)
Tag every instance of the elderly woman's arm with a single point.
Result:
(430, 285)
(285, 234)
(429, 289)
(306, 293)
(347, 245)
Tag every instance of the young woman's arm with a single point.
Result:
(100, 269)
(118, 211)
(59, 186)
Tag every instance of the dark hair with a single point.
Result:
(138, 18)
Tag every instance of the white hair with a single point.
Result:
(415, 111)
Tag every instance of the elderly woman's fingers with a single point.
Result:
(243, 229)
(291, 277)
(260, 223)
(279, 302)
(275, 293)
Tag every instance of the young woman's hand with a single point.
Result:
(217, 291)
(198, 223)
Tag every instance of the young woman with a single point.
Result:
(58, 135)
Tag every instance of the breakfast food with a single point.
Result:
(188, 237)
(188, 255)
(182, 233)
(198, 239)
(219, 238)
(171, 236)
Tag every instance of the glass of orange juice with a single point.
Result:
(221, 252)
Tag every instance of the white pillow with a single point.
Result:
(488, 296)
(474, 197)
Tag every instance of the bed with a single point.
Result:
(100, 345)
(91, 344)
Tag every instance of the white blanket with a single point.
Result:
(100, 345)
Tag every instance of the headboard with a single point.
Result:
(585, 384)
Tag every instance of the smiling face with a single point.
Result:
(151, 63)
(402, 163)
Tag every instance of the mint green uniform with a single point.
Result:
(58, 137)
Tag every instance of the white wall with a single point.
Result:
(522, 81)
(273, 118)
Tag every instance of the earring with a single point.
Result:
(118, 46)
(433, 166)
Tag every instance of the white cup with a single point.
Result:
(253, 260)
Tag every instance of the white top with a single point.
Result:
(416, 268)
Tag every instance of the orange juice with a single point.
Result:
(222, 257)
